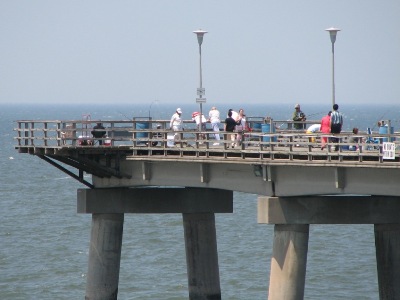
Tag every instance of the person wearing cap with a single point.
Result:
(214, 118)
(298, 116)
(196, 118)
(176, 122)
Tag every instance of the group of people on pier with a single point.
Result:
(330, 123)
(235, 123)
(235, 126)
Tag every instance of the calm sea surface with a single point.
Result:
(44, 243)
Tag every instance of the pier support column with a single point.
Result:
(197, 206)
(387, 243)
(104, 256)
(290, 247)
(289, 262)
(201, 256)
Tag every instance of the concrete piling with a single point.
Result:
(289, 261)
(104, 257)
(201, 256)
(198, 208)
(387, 243)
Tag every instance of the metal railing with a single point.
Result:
(257, 141)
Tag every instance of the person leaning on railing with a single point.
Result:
(98, 133)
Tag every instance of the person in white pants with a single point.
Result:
(213, 117)
(176, 123)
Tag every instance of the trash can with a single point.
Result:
(256, 126)
(266, 128)
(384, 130)
(142, 135)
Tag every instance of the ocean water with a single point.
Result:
(44, 243)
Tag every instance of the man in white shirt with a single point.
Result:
(196, 118)
(214, 118)
(176, 123)
(176, 120)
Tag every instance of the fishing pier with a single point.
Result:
(139, 168)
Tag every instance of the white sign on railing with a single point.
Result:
(389, 150)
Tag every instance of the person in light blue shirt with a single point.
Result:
(214, 118)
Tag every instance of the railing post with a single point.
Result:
(32, 134)
(26, 134)
(58, 134)
(74, 134)
(19, 133)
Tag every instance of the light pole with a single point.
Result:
(332, 32)
(200, 91)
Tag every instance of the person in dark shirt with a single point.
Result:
(336, 124)
(298, 116)
(98, 133)
(230, 124)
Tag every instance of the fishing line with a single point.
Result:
(314, 114)
(384, 114)
(124, 115)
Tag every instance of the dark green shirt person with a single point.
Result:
(298, 116)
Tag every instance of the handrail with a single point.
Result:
(140, 134)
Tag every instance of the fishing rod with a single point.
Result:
(384, 114)
(290, 120)
(314, 114)
(125, 116)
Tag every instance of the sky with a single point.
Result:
(255, 51)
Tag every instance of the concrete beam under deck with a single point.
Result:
(197, 206)
(329, 210)
(268, 178)
(292, 216)
(154, 200)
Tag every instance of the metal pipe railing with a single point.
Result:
(142, 133)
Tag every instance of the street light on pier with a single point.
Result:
(200, 91)
(332, 32)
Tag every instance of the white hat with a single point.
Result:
(178, 110)
(297, 105)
